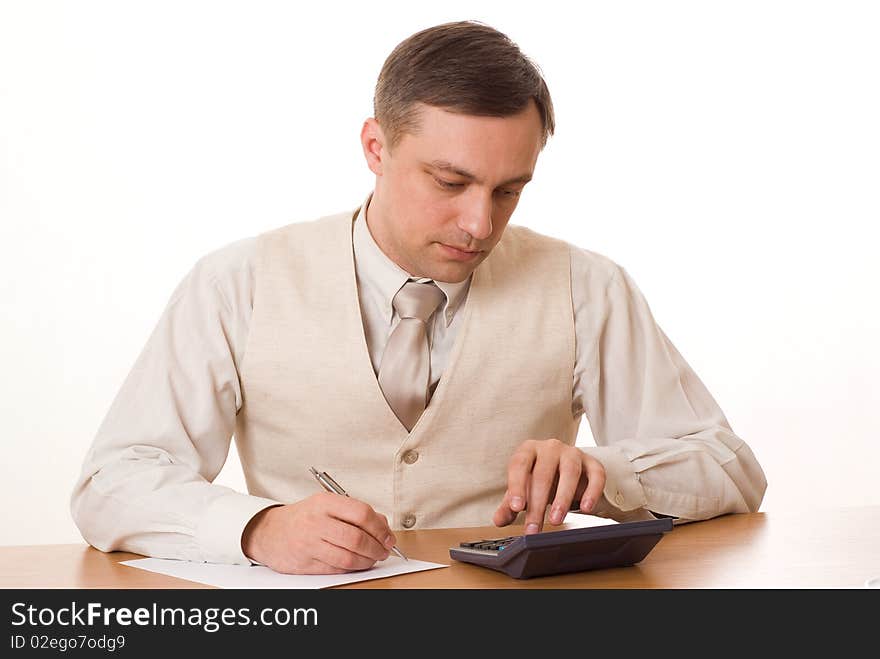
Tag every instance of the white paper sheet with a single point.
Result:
(258, 576)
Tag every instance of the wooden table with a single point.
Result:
(831, 549)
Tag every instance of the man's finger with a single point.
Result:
(542, 482)
(570, 470)
(343, 559)
(354, 539)
(503, 514)
(359, 514)
(595, 485)
(519, 470)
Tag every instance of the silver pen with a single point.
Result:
(332, 486)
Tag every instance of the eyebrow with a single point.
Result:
(449, 167)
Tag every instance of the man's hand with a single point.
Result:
(541, 469)
(323, 534)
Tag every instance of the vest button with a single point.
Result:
(410, 457)
(408, 521)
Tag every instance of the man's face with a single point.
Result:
(443, 197)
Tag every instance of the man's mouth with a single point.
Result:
(459, 253)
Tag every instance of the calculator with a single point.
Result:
(569, 550)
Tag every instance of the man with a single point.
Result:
(432, 359)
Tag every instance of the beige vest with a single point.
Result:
(311, 397)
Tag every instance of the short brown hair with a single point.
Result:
(465, 67)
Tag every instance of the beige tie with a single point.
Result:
(406, 362)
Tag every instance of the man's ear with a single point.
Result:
(373, 144)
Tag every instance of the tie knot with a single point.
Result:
(416, 300)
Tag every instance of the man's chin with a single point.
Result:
(439, 267)
(453, 273)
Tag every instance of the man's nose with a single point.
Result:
(476, 217)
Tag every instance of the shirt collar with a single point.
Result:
(382, 278)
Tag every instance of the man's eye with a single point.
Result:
(447, 185)
(509, 193)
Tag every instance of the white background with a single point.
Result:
(726, 154)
